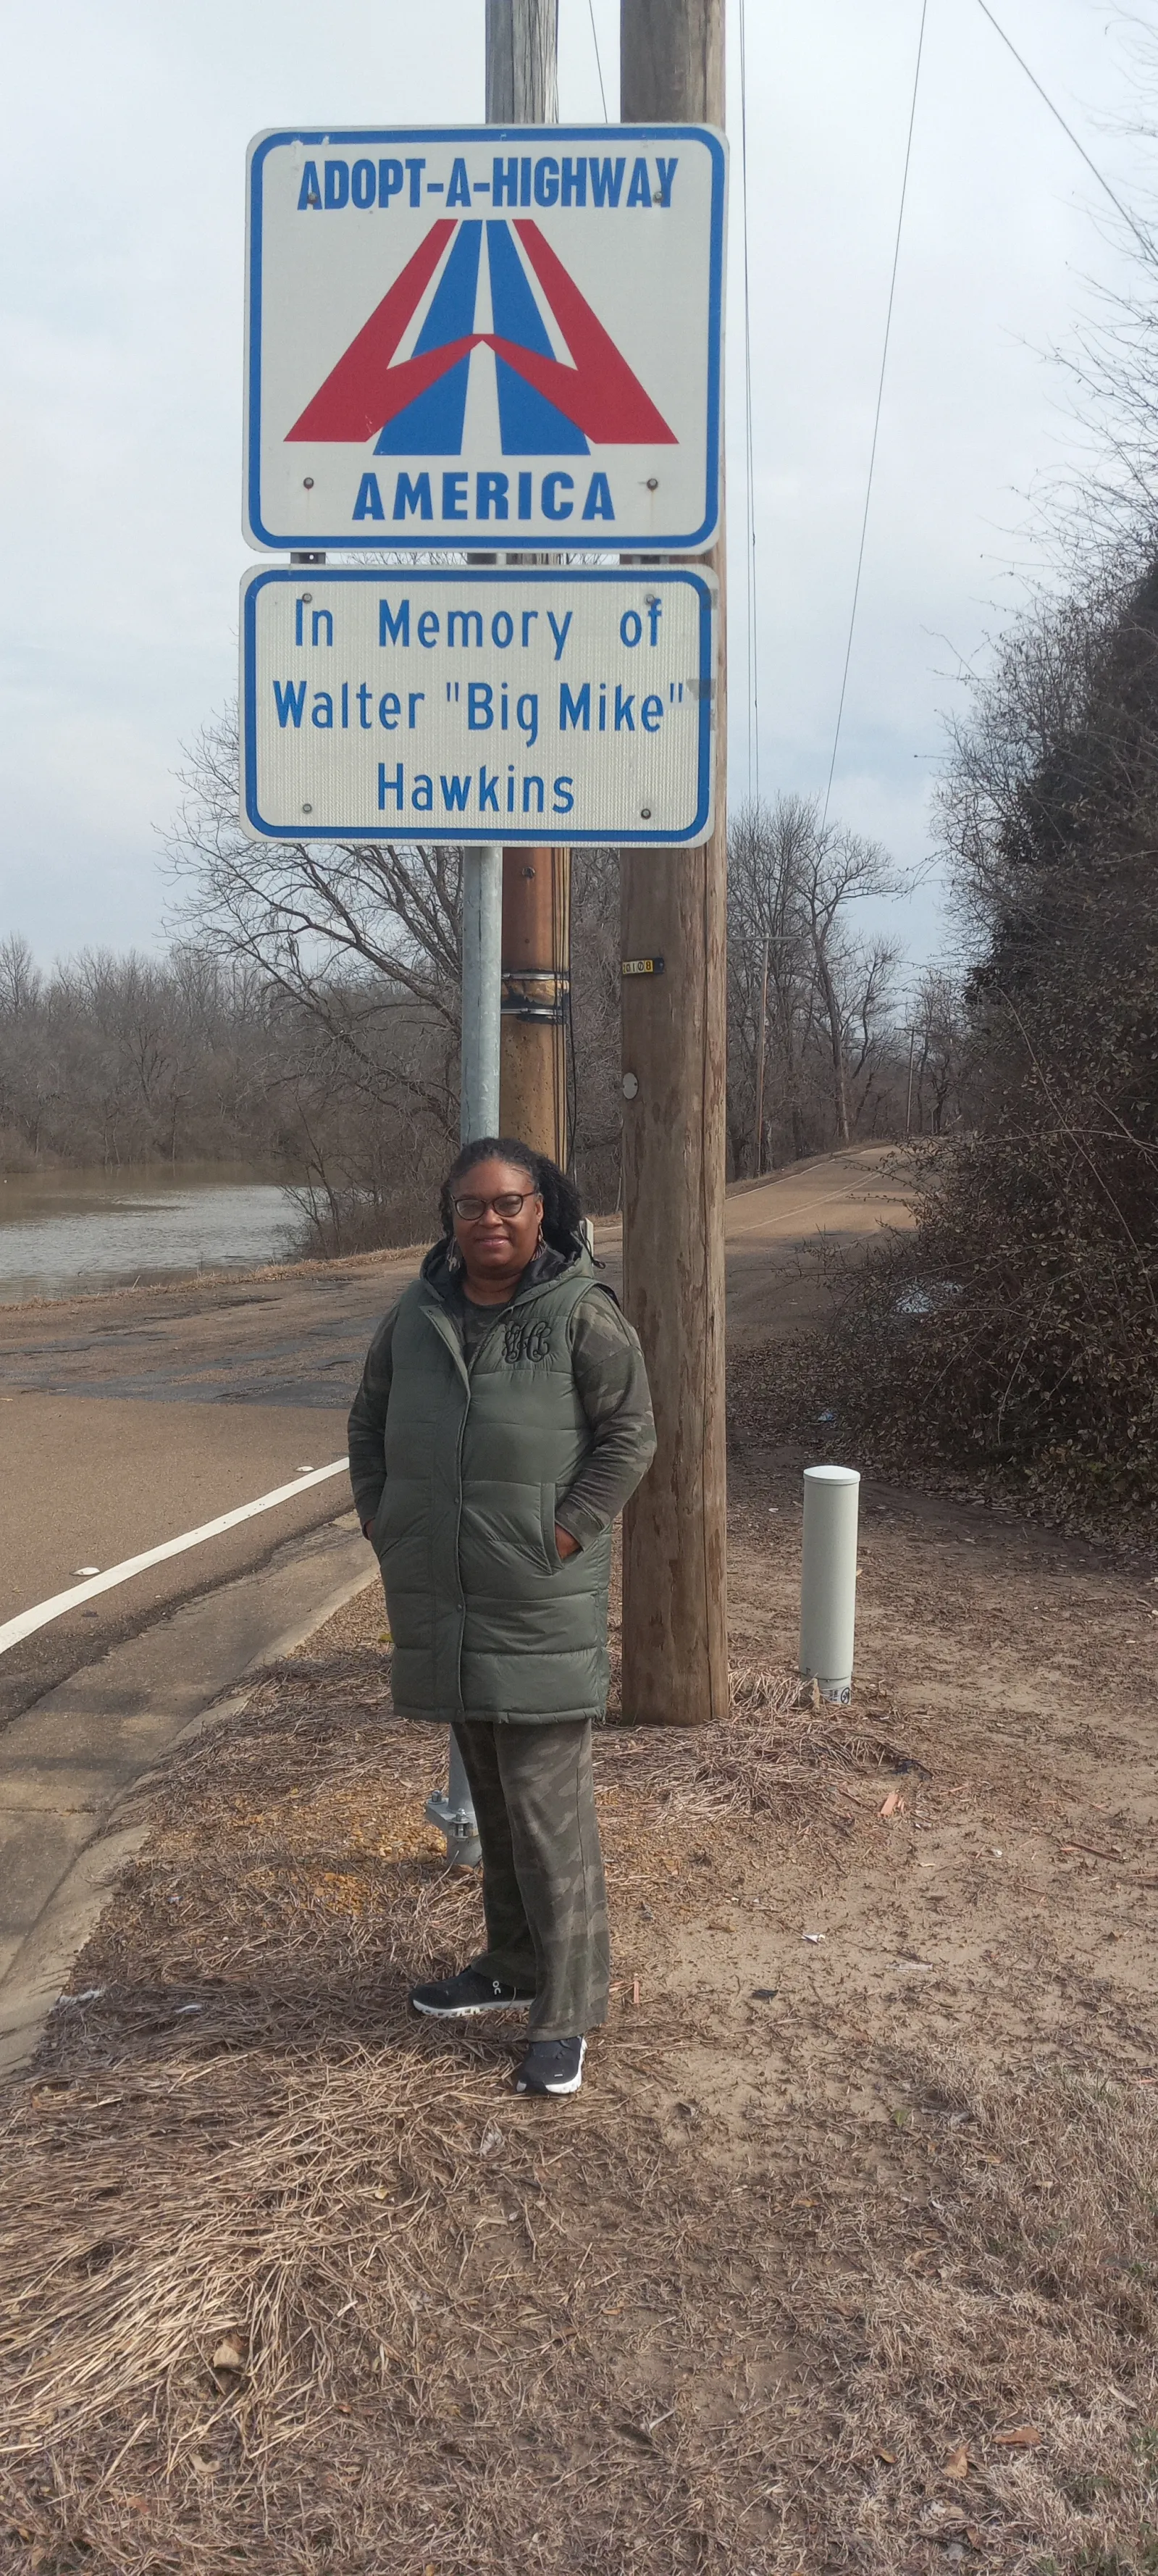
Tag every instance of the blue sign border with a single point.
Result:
(533, 836)
(256, 533)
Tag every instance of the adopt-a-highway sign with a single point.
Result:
(476, 336)
(503, 706)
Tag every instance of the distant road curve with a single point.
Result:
(44, 1611)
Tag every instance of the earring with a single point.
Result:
(454, 1259)
(541, 1239)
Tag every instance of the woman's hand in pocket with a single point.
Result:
(566, 1545)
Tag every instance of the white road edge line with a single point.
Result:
(39, 1616)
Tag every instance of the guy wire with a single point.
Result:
(877, 416)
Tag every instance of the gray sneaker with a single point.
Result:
(456, 1998)
(552, 2066)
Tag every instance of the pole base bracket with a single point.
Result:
(458, 1829)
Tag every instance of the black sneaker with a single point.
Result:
(470, 1992)
(552, 2066)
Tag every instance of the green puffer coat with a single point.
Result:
(488, 1620)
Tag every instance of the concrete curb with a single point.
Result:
(69, 1763)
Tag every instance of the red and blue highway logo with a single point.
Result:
(416, 406)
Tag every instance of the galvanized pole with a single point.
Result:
(482, 919)
(482, 907)
(674, 905)
(523, 89)
(512, 1030)
(515, 905)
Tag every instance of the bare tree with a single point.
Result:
(771, 1000)
(936, 1062)
(810, 1003)
(365, 939)
(21, 982)
(295, 909)
(840, 868)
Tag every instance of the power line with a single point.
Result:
(598, 64)
(1127, 218)
(877, 415)
(753, 635)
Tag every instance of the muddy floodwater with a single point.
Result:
(64, 1234)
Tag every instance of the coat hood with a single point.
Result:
(574, 1262)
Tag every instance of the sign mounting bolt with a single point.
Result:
(307, 809)
(645, 813)
(653, 482)
(307, 483)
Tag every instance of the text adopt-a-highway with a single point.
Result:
(469, 336)
(503, 705)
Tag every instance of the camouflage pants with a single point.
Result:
(543, 1890)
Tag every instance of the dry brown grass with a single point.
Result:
(475, 2334)
(1017, 2294)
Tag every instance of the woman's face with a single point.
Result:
(496, 1246)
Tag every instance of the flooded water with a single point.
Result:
(68, 1233)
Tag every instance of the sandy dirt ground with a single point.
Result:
(846, 2257)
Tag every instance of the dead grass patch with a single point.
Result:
(1004, 2398)
(293, 2282)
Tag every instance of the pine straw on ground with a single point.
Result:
(293, 2282)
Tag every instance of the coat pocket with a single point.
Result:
(502, 1542)
(399, 1514)
(548, 1498)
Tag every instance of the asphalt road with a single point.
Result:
(130, 1418)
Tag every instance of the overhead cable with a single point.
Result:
(1139, 235)
(877, 415)
(598, 64)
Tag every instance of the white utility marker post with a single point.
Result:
(828, 1579)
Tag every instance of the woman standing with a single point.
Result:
(502, 1422)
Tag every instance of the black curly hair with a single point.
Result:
(562, 1205)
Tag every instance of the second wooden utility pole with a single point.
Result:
(675, 1639)
(523, 89)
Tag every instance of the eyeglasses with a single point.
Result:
(508, 1203)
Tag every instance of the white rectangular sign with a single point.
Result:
(495, 706)
(478, 336)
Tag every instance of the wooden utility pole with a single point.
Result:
(523, 89)
(675, 1639)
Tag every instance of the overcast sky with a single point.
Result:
(123, 220)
